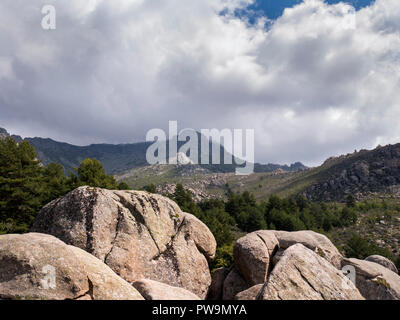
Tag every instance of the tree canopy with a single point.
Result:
(26, 185)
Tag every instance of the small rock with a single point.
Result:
(250, 294)
(153, 290)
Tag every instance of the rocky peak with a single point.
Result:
(3, 133)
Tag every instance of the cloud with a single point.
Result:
(313, 84)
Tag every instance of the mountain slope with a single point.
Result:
(361, 174)
(115, 158)
(364, 174)
(121, 158)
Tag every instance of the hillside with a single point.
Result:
(362, 174)
(115, 158)
(365, 174)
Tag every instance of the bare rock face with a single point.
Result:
(316, 242)
(40, 266)
(301, 274)
(375, 282)
(217, 284)
(383, 262)
(201, 235)
(277, 256)
(233, 284)
(251, 293)
(153, 290)
(252, 255)
(138, 234)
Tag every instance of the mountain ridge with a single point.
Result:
(120, 158)
(362, 173)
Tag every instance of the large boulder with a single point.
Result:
(153, 290)
(252, 255)
(383, 262)
(301, 274)
(138, 234)
(39, 266)
(374, 281)
(312, 240)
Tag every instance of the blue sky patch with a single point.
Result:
(273, 9)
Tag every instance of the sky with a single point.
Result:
(313, 79)
(273, 9)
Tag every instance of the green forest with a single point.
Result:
(26, 185)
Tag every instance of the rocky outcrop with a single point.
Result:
(138, 234)
(313, 241)
(252, 255)
(139, 245)
(39, 266)
(360, 173)
(301, 274)
(374, 281)
(153, 290)
(3, 133)
(383, 262)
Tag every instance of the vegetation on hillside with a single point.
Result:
(26, 185)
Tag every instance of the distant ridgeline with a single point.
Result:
(119, 158)
(361, 174)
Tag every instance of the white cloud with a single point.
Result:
(311, 85)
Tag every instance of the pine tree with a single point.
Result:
(91, 173)
(22, 185)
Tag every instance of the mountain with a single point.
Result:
(362, 173)
(4, 134)
(115, 158)
(120, 158)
